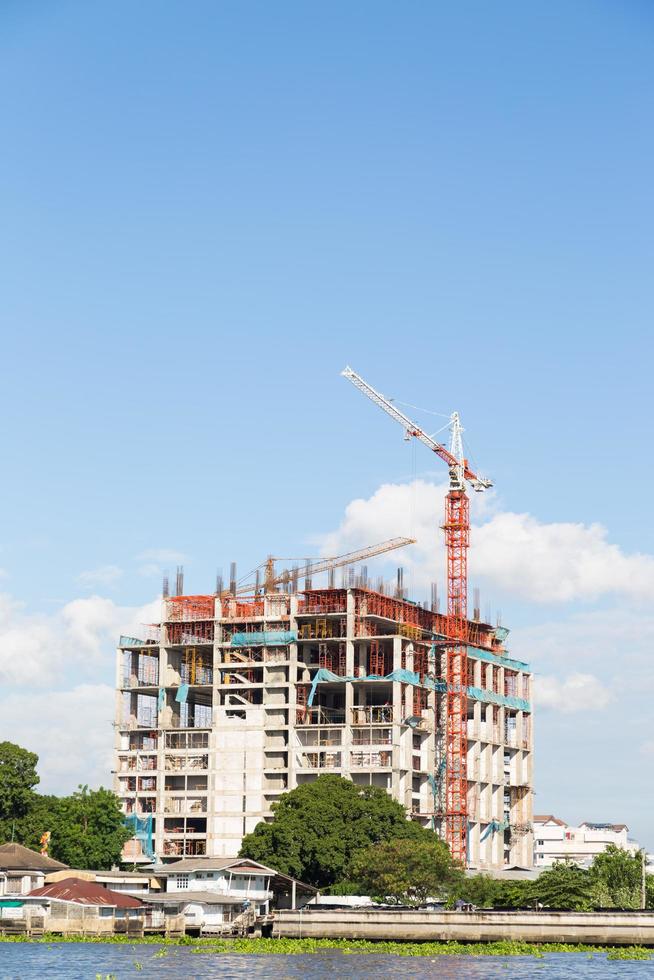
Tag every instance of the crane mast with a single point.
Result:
(457, 540)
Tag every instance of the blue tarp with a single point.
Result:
(409, 677)
(161, 700)
(182, 694)
(266, 638)
(493, 658)
(403, 676)
(494, 827)
(490, 697)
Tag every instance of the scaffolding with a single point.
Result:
(195, 667)
(186, 608)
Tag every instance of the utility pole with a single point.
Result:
(643, 880)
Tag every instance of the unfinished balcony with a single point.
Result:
(140, 669)
(320, 715)
(185, 805)
(319, 760)
(187, 740)
(381, 759)
(184, 848)
(317, 737)
(372, 714)
(186, 763)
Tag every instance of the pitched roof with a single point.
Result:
(187, 865)
(103, 876)
(15, 857)
(85, 893)
(549, 818)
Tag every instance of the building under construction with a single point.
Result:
(245, 694)
(233, 700)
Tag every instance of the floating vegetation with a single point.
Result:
(347, 947)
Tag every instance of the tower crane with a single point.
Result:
(271, 580)
(457, 539)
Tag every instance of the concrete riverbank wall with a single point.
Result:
(593, 928)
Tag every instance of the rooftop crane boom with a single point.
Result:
(457, 539)
(271, 580)
(454, 458)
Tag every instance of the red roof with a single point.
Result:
(86, 893)
(549, 818)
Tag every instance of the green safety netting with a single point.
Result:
(141, 828)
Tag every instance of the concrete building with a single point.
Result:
(555, 840)
(229, 703)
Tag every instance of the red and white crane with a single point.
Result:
(457, 540)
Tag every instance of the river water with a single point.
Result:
(97, 961)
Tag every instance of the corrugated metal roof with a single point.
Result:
(85, 893)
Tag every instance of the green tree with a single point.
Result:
(87, 829)
(513, 894)
(649, 892)
(616, 877)
(481, 890)
(18, 777)
(563, 886)
(405, 871)
(43, 814)
(318, 827)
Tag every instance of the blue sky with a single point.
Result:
(208, 209)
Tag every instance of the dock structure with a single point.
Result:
(231, 701)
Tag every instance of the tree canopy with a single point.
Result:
(616, 878)
(319, 827)
(406, 871)
(87, 828)
(18, 777)
(563, 886)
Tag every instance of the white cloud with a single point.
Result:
(69, 730)
(104, 575)
(557, 562)
(574, 693)
(37, 649)
(514, 553)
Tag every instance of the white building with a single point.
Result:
(555, 840)
(214, 894)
